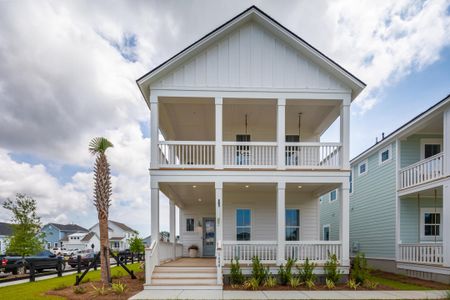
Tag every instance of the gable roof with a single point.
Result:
(390, 137)
(68, 227)
(5, 229)
(252, 12)
(88, 236)
(123, 226)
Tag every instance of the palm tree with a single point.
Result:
(102, 201)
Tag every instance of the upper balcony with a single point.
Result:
(230, 133)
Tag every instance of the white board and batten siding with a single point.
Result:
(250, 57)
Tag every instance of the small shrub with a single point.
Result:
(118, 288)
(117, 275)
(259, 272)
(236, 276)
(270, 281)
(332, 271)
(251, 284)
(371, 285)
(330, 284)
(79, 290)
(99, 291)
(236, 286)
(352, 284)
(306, 271)
(294, 282)
(359, 271)
(310, 284)
(285, 271)
(60, 286)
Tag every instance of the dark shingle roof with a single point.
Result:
(88, 236)
(122, 226)
(5, 229)
(69, 227)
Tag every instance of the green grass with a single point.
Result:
(396, 284)
(37, 290)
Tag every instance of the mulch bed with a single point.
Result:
(318, 287)
(411, 280)
(133, 287)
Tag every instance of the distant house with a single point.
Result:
(119, 234)
(82, 241)
(147, 241)
(55, 233)
(5, 233)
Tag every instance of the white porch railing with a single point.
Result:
(187, 154)
(315, 251)
(246, 250)
(429, 253)
(313, 155)
(157, 253)
(422, 171)
(249, 154)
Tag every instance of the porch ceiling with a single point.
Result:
(429, 193)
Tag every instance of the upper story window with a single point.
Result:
(385, 154)
(333, 195)
(431, 224)
(326, 232)
(363, 167)
(292, 225)
(351, 181)
(243, 224)
(189, 224)
(430, 147)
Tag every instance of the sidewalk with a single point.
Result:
(211, 294)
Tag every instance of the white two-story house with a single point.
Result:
(119, 235)
(236, 125)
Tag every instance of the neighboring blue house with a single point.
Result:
(147, 241)
(54, 233)
(400, 199)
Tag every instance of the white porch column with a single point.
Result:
(446, 141)
(154, 132)
(397, 200)
(446, 222)
(281, 221)
(344, 232)
(155, 211)
(345, 134)
(219, 213)
(281, 135)
(219, 136)
(173, 234)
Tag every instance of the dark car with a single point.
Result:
(41, 261)
(85, 260)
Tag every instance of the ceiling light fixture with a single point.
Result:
(299, 186)
(199, 199)
(194, 186)
(247, 186)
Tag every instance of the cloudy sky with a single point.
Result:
(68, 71)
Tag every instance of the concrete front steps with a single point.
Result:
(187, 278)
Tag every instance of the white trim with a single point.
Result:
(366, 162)
(336, 192)
(432, 210)
(236, 226)
(323, 232)
(380, 153)
(424, 268)
(429, 141)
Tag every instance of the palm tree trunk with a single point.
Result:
(104, 248)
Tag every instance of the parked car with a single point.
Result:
(86, 259)
(69, 252)
(41, 261)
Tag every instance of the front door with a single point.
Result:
(209, 236)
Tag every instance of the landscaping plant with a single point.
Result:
(252, 284)
(79, 289)
(270, 281)
(369, 284)
(236, 277)
(359, 271)
(136, 245)
(99, 291)
(285, 271)
(352, 284)
(259, 272)
(330, 284)
(294, 282)
(306, 271)
(118, 288)
(310, 284)
(332, 272)
(102, 199)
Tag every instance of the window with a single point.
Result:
(292, 225)
(190, 224)
(385, 154)
(431, 223)
(326, 232)
(430, 147)
(362, 168)
(243, 224)
(333, 195)
(351, 181)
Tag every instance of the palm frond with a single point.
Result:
(99, 145)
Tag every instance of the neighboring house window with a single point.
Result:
(243, 224)
(362, 168)
(326, 232)
(333, 195)
(116, 245)
(56, 245)
(430, 147)
(190, 224)
(292, 225)
(351, 181)
(385, 154)
(431, 223)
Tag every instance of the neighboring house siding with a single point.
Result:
(410, 216)
(410, 148)
(330, 215)
(52, 235)
(372, 208)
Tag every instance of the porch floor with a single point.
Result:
(191, 262)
